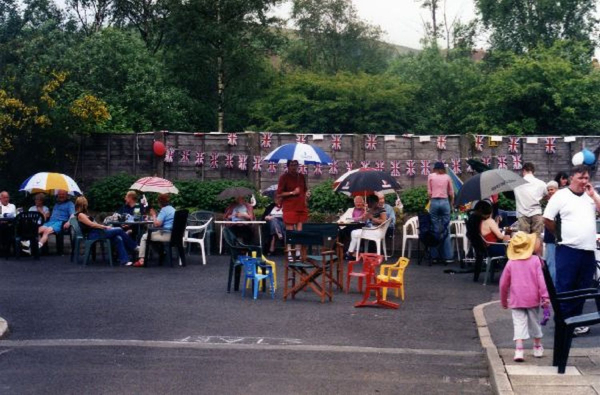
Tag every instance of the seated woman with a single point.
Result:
(90, 229)
(489, 229)
(240, 210)
(375, 215)
(39, 206)
(355, 213)
(274, 217)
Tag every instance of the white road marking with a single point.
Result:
(231, 345)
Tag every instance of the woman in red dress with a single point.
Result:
(292, 189)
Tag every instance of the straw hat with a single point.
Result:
(521, 245)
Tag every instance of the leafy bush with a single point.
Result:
(108, 193)
(324, 200)
(414, 199)
(506, 204)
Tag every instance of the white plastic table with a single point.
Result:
(223, 223)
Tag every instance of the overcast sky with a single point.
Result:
(402, 20)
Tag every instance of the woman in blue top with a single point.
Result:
(163, 220)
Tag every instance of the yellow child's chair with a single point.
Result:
(393, 273)
(273, 268)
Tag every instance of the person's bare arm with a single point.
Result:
(86, 221)
(550, 225)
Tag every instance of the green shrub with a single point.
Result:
(324, 200)
(506, 204)
(108, 194)
(414, 199)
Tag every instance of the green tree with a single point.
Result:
(522, 25)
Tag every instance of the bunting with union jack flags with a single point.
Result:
(479, 142)
(487, 160)
(301, 138)
(265, 139)
(349, 165)
(469, 168)
(455, 163)
(371, 142)
(169, 155)
(550, 145)
(517, 162)
(214, 160)
(318, 170)
(232, 139)
(336, 142)
(229, 161)
(365, 164)
(185, 156)
(333, 167)
(395, 168)
(513, 145)
(410, 168)
(425, 170)
(272, 167)
(199, 158)
(502, 162)
(441, 142)
(379, 165)
(243, 162)
(302, 169)
(256, 163)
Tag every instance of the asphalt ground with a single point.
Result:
(157, 330)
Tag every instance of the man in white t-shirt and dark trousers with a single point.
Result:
(528, 197)
(571, 215)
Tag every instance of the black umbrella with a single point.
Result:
(366, 181)
(488, 183)
(270, 191)
(234, 192)
(478, 166)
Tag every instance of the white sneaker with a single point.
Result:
(538, 351)
(519, 357)
(581, 330)
(25, 243)
(26, 251)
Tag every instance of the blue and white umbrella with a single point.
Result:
(304, 153)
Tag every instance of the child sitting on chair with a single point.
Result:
(523, 289)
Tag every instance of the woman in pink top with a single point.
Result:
(523, 289)
(441, 196)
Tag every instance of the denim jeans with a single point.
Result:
(551, 259)
(440, 217)
(118, 238)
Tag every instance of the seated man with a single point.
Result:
(61, 212)
(237, 211)
(6, 228)
(163, 220)
(131, 205)
(8, 209)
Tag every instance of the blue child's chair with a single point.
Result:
(250, 273)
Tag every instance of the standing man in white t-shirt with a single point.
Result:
(528, 197)
(571, 215)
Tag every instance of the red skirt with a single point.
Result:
(293, 217)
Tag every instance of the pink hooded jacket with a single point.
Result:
(524, 280)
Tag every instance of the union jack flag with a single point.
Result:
(550, 145)
(199, 158)
(487, 160)
(371, 142)
(469, 168)
(349, 165)
(229, 161)
(256, 163)
(265, 139)
(410, 168)
(318, 170)
(185, 156)
(379, 165)
(517, 162)
(513, 145)
(333, 167)
(502, 162)
(232, 138)
(441, 142)
(479, 142)
(336, 142)
(301, 138)
(214, 160)
(456, 166)
(243, 162)
(364, 164)
(395, 166)
(272, 168)
(302, 169)
(169, 155)
(425, 170)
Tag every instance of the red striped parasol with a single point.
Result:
(154, 184)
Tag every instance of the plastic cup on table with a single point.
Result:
(253, 254)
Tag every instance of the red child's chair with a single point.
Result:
(369, 262)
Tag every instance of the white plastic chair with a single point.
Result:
(460, 237)
(410, 231)
(200, 233)
(376, 234)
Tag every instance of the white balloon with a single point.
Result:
(577, 159)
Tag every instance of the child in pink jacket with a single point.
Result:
(522, 288)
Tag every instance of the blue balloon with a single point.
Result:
(588, 157)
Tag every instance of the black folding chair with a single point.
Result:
(26, 228)
(176, 240)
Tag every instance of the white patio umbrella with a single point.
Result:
(50, 182)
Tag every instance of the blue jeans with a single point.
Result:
(574, 270)
(551, 259)
(440, 218)
(120, 239)
(276, 227)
